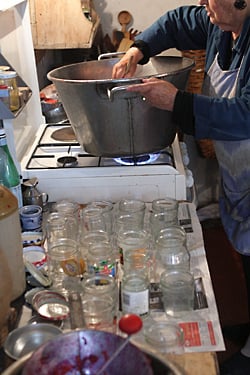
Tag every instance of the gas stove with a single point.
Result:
(65, 170)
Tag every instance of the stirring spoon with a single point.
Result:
(130, 324)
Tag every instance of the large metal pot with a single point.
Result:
(108, 120)
(85, 352)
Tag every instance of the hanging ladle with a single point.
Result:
(130, 324)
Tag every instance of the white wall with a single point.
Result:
(144, 12)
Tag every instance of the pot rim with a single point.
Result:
(120, 80)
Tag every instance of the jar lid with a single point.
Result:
(4, 68)
(37, 274)
(51, 305)
(165, 336)
(8, 74)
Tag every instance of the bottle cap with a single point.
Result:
(4, 68)
(7, 74)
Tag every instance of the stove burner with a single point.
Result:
(65, 134)
(67, 161)
(137, 160)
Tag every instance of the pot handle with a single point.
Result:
(109, 55)
(115, 91)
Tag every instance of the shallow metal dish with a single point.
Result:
(28, 338)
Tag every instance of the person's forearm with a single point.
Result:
(144, 49)
(183, 112)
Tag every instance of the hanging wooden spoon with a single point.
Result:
(124, 18)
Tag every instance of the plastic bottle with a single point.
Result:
(11, 244)
(9, 175)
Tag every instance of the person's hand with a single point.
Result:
(126, 67)
(157, 92)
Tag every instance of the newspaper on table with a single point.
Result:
(201, 327)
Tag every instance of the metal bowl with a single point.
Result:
(159, 366)
(28, 338)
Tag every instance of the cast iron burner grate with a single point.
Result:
(137, 160)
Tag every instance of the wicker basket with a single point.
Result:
(194, 85)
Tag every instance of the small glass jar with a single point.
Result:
(8, 78)
(177, 293)
(164, 204)
(101, 285)
(64, 263)
(132, 240)
(171, 254)
(4, 95)
(135, 293)
(138, 259)
(67, 207)
(134, 207)
(107, 213)
(174, 232)
(161, 220)
(101, 260)
(60, 225)
(91, 238)
(92, 219)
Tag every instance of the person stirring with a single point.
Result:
(221, 112)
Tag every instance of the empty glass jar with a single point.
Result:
(101, 260)
(171, 251)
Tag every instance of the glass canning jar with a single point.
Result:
(100, 285)
(8, 78)
(106, 208)
(101, 259)
(132, 240)
(134, 207)
(171, 254)
(64, 263)
(135, 293)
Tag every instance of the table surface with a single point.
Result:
(196, 363)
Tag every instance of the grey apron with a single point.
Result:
(234, 162)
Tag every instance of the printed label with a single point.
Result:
(135, 302)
